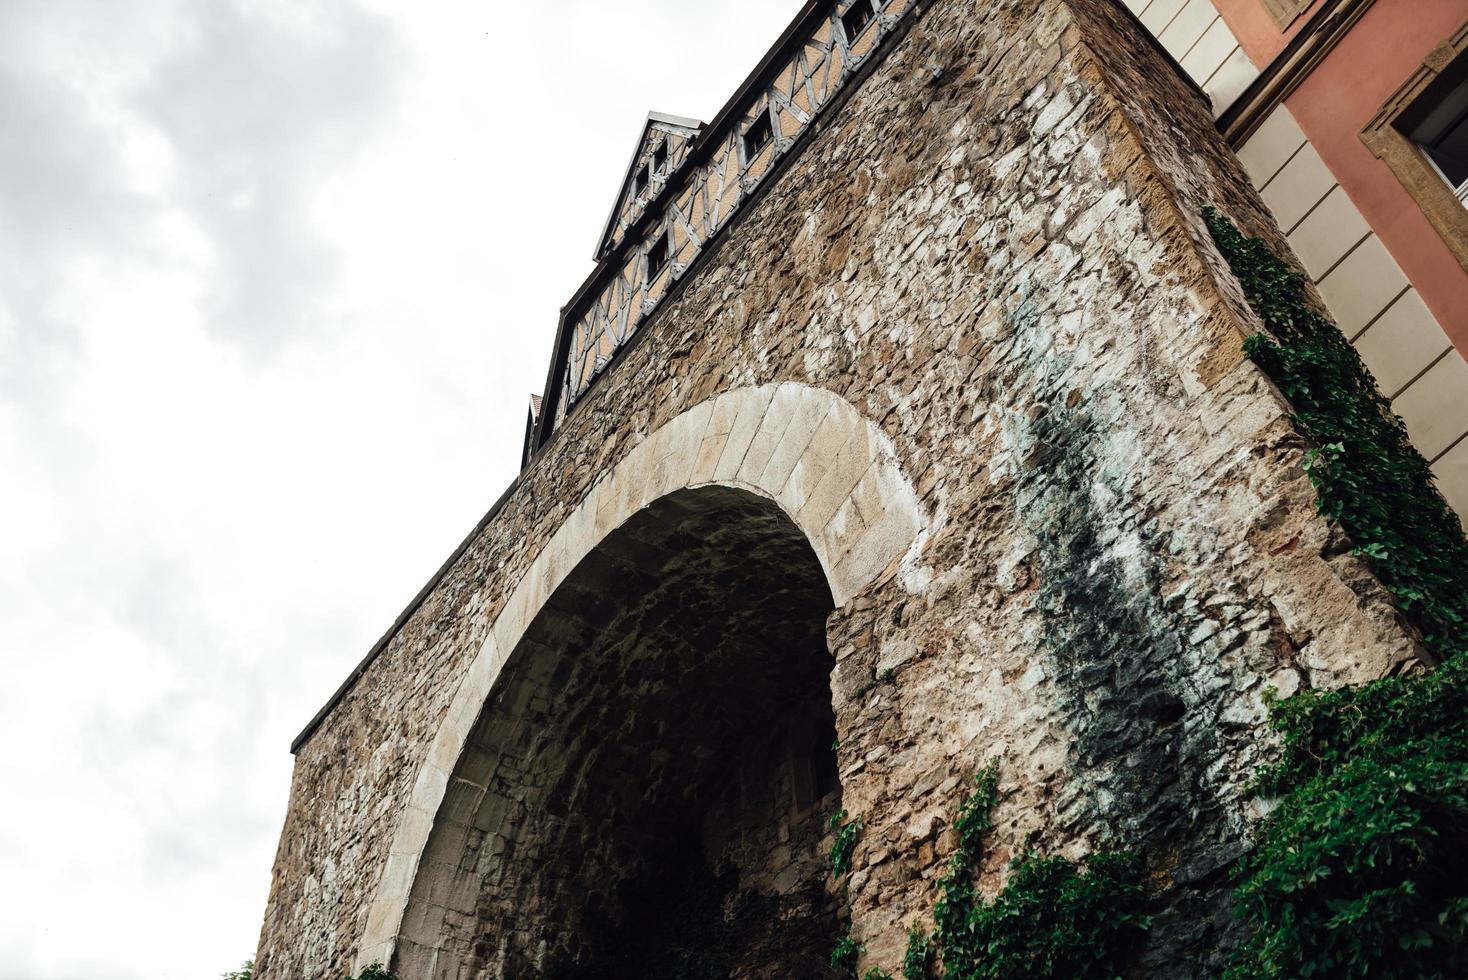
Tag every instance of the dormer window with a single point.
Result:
(660, 158)
(758, 135)
(856, 19)
(657, 256)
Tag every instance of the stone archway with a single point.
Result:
(643, 795)
(808, 492)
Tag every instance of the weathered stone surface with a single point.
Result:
(1062, 523)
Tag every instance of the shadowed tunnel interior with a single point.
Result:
(645, 793)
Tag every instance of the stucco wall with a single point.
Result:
(992, 255)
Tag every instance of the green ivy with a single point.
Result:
(1052, 919)
(845, 843)
(1365, 470)
(845, 954)
(375, 972)
(1361, 870)
(921, 958)
(976, 816)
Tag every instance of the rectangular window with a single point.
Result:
(660, 158)
(758, 135)
(1437, 124)
(644, 177)
(657, 256)
(1421, 133)
(856, 19)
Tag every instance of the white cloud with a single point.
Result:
(275, 281)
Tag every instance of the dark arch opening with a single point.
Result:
(645, 792)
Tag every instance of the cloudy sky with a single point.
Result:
(276, 277)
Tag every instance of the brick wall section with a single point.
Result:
(992, 251)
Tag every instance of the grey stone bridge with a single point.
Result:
(903, 426)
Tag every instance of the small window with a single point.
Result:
(856, 19)
(657, 256)
(660, 158)
(644, 177)
(1421, 134)
(1437, 124)
(758, 135)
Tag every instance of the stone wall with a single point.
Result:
(992, 253)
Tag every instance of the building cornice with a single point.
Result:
(1282, 76)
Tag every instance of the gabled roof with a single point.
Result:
(659, 126)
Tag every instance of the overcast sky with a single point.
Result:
(276, 279)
